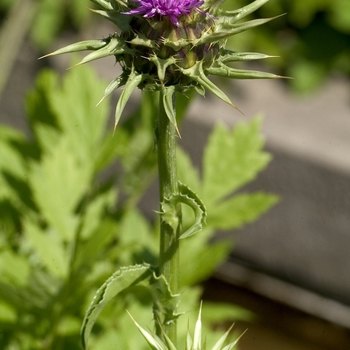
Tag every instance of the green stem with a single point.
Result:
(168, 185)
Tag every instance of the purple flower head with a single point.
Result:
(172, 8)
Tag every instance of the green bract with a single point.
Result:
(155, 54)
(195, 343)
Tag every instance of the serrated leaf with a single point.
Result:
(74, 105)
(96, 209)
(239, 210)
(135, 229)
(124, 278)
(58, 184)
(189, 198)
(49, 247)
(12, 161)
(242, 151)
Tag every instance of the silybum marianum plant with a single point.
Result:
(171, 45)
(167, 46)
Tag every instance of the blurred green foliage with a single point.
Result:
(312, 39)
(50, 18)
(67, 221)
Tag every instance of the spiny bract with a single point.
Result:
(171, 45)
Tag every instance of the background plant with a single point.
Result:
(64, 230)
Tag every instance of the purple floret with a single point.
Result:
(172, 8)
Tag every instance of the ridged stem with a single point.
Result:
(168, 185)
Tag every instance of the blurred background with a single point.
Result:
(291, 267)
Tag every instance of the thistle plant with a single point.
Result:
(167, 46)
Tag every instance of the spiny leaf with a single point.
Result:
(119, 281)
(152, 340)
(79, 46)
(229, 72)
(164, 302)
(113, 85)
(233, 56)
(219, 344)
(115, 46)
(107, 5)
(197, 336)
(120, 20)
(196, 72)
(133, 81)
(187, 197)
(246, 10)
(168, 103)
(225, 29)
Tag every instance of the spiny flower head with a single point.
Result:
(171, 45)
(172, 8)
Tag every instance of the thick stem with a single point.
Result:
(168, 185)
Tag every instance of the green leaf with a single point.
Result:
(113, 85)
(241, 150)
(187, 173)
(195, 252)
(14, 269)
(221, 341)
(232, 73)
(96, 210)
(133, 81)
(115, 46)
(216, 312)
(79, 46)
(12, 160)
(153, 341)
(239, 210)
(7, 313)
(189, 198)
(59, 183)
(164, 302)
(49, 247)
(168, 103)
(137, 243)
(48, 21)
(196, 72)
(74, 105)
(121, 280)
